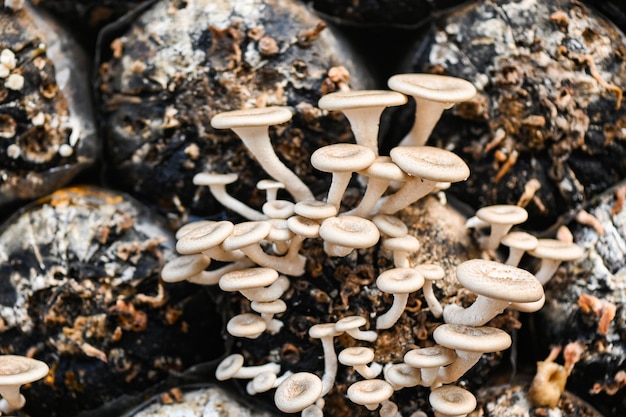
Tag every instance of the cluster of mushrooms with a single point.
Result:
(262, 255)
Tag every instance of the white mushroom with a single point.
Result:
(315, 209)
(251, 125)
(204, 237)
(402, 248)
(359, 357)
(191, 268)
(298, 392)
(400, 282)
(370, 392)
(433, 94)
(278, 209)
(390, 226)
(15, 371)
(342, 234)
(326, 332)
(217, 185)
(518, 243)
(363, 109)
(552, 252)
(431, 273)
(451, 401)
(265, 381)
(271, 188)
(246, 325)
(272, 292)
(429, 360)
(232, 367)
(501, 217)
(268, 309)
(351, 324)
(402, 375)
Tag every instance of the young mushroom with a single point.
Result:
(433, 94)
(251, 125)
(451, 401)
(15, 371)
(232, 367)
(298, 392)
(217, 185)
(402, 248)
(315, 210)
(191, 268)
(426, 166)
(429, 360)
(359, 357)
(390, 226)
(271, 188)
(246, 325)
(518, 244)
(501, 217)
(351, 324)
(431, 273)
(497, 285)
(265, 381)
(343, 234)
(268, 309)
(402, 375)
(552, 252)
(400, 282)
(341, 159)
(363, 109)
(269, 293)
(370, 392)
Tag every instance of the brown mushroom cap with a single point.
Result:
(204, 237)
(349, 231)
(450, 400)
(265, 116)
(400, 281)
(355, 99)
(472, 339)
(433, 87)
(499, 281)
(247, 278)
(428, 162)
(557, 250)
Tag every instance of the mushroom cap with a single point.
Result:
(408, 243)
(451, 400)
(557, 250)
(279, 231)
(183, 267)
(356, 99)
(428, 162)
(342, 157)
(502, 214)
(265, 116)
(212, 178)
(350, 323)
(400, 281)
(247, 278)
(433, 87)
(431, 272)
(430, 357)
(278, 209)
(269, 307)
(370, 391)
(246, 325)
(321, 330)
(472, 339)
(349, 231)
(499, 281)
(245, 234)
(264, 381)
(229, 366)
(403, 375)
(188, 227)
(20, 370)
(385, 169)
(297, 392)
(303, 226)
(315, 209)
(356, 355)
(390, 225)
(204, 237)
(520, 240)
(269, 185)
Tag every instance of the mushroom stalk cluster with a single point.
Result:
(263, 254)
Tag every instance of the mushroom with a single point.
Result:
(469, 343)
(278, 209)
(15, 371)
(342, 234)
(363, 109)
(518, 243)
(217, 185)
(315, 210)
(402, 248)
(497, 286)
(358, 357)
(552, 252)
(271, 188)
(248, 278)
(188, 227)
(246, 325)
(206, 238)
(191, 268)
(428, 360)
(268, 309)
(232, 367)
(251, 125)
(389, 225)
(501, 217)
(247, 237)
(370, 392)
(402, 375)
(431, 273)
(451, 401)
(433, 94)
(265, 381)
(326, 332)
(341, 159)
(351, 324)
(279, 235)
(400, 282)
(382, 172)
(303, 228)
(298, 392)
(272, 292)
(426, 166)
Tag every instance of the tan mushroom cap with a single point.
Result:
(385, 169)
(342, 157)
(279, 231)
(350, 323)
(246, 325)
(400, 281)
(349, 231)
(472, 339)
(269, 185)
(212, 178)
(20, 370)
(499, 281)
(406, 243)
(269, 307)
(321, 330)
(297, 392)
(431, 272)
(188, 227)
(204, 237)
(265, 116)
(278, 209)
(247, 278)
(246, 234)
(229, 366)
(355, 99)
(433, 87)
(315, 209)
(557, 250)
(430, 357)
(401, 375)
(390, 225)
(428, 162)
(370, 392)
(356, 355)
(183, 267)
(304, 226)
(502, 214)
(520, 240)
(450, 400)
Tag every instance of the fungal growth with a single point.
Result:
(271, 255)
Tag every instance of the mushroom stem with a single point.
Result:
(427, 114)
(392, 315)
(11, 398)
(330, 364)
(258, 143)
(340, 181)
(369, 371)
(374, 190)
(479, 313)
(249, 372)
(515, 256)
(293, 266)
(464, 362)
(411, 191)
(433, 303)
(213, 277)
(547, 269)
(364, 123)
(221, 195)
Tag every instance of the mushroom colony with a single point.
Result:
(259, 260)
